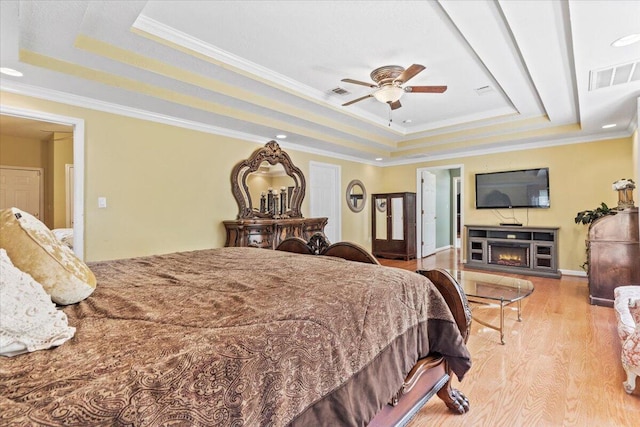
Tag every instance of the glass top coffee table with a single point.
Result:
(487, 288)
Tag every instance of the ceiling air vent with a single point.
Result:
(340, 91)
(484, 90)
(616, 75)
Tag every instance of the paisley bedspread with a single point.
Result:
(233, 337)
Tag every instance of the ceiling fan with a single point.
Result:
(389, 80)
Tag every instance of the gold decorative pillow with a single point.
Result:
(35, 250)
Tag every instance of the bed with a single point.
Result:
(246, 336)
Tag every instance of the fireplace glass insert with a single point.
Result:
(509, 254)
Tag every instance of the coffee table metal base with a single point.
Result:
(503, 304)
(484, 288)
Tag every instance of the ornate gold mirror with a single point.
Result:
(356, 195)
(268, 185)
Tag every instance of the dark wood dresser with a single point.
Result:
(276, 214)
(613, 253)
(268, 233)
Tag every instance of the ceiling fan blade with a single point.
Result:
(425, 89)
(357, 100)
(409, 73)
(358, 82)
(394, 105)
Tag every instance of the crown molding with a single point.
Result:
(84, 102)
(121, 110)
(580, 139)
(250, 69)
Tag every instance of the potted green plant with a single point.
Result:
(590, 215)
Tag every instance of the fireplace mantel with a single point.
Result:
(513, 249)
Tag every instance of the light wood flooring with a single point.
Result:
(560, 366)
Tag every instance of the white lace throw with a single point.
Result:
(29, 321)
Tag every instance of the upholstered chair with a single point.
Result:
(627, 308)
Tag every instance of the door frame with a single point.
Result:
(454, 218)
(419, 202)
(40, 184)
(78, 161)
(68, 197)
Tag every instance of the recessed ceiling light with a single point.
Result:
(379, 159)
(407, 121)
(281, 136)
(612, 125)
(10, 72)
(626, 40)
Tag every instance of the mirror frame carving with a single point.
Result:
(350, 186)
(273, 154)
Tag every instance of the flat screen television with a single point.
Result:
(528, 188)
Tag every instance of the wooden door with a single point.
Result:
(22, 188)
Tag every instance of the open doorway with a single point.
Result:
(440, 214)
(62, 130)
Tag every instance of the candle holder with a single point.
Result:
(625, 187)
(270, 208)
(276, 213)
(263, 202)
(283, 201)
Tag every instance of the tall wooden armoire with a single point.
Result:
(613, 250)
(393, 224)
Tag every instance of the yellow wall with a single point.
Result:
(580, 178)
(60, 154)
(51, 156)
(636, 156)
(168, 188)
(23, 152)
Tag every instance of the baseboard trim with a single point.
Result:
(579, 273)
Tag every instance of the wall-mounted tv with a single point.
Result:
(527, 188)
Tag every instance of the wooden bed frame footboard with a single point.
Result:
(431, 375)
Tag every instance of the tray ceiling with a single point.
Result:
(518, 72)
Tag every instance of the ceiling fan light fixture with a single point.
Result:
(626, 40)
(388, 94)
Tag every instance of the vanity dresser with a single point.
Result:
(269, 190)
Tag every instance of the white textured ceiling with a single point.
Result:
(254, 69)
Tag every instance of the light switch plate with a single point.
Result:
(102, 202)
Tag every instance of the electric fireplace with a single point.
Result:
(513, 249)
(509, 254)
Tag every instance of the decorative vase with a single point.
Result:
(283, 200)
(263, 202)
(625, 198)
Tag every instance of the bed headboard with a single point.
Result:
(319, 245)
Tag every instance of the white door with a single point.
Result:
(324, 194)
(22, 188)
(428, 213)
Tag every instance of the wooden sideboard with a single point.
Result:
(613, 249)
(268, 233)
